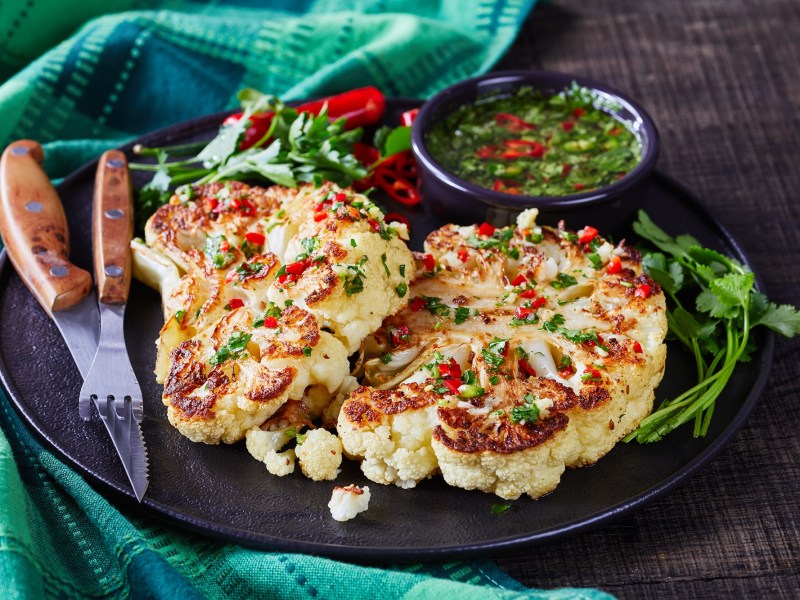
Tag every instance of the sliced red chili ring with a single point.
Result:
(522, 312)
(487, 152)
(539, 302)
(408, 117)
(512, 122)
(429, 262)
(374, 225)
(643, 291)
(526, 368)
(270, 322)
(393, 216)
(579, 186)
(531, 293)
(320, 216)
(578, 112)
(235, 303)
(397, 186)
(365, 154)
(255, 238)
(417, 304)
(568, 125)
(519, 280)
(501, 186)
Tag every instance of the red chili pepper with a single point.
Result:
(519, 280)
(359, 107)
(522, 312)
(287, 278)
(578, 113)
(417, 304)
(365, 154)
(340, 197)
(589, 233)
(255, 238)
(501, 186)
(397, 186)
(637, 347)
(579, 186)
(399, 334)
(297, 268)
(235, 303)
(567, 372)
(374, 225)
(526, 368)
(614, 265)
(212, 204)
(643, 291)
(452, 385)
(451, 369)
(463, 255)
(487, 152)
(595, 374)
(320, 216)
(568, 125)
(512, 122)
(270, 322)
(429, 262)
(244, 206)
(486, 229)
(224, 246)
(531, 293)
(539, 302)
(565, 169)
(408, 117)
(393, 216)
(615, 132)
(527, 147)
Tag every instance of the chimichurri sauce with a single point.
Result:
(534, 145)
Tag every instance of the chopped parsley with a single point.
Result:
(462, 314)
(596, 261)
(435, 307)
(526, 413)
(213, 249)
(385, 266)
(499, 239)
(354, 282)
(494, 353)
(386, 358)
(499, 509)
(401, 289)
(353, 243)
(235, 348)
(563, 280)
(179, 315)
(307, 350)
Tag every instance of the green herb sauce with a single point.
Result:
(534, 145)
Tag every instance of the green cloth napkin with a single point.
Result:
(89, 77)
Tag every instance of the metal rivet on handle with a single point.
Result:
(114, 270)
(115, 163)
(34, 206)
(59, 271)
(114, 213)
(19, 150)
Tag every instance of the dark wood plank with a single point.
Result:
(720, 79)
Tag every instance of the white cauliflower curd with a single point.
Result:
(347, 502)
(320, 454)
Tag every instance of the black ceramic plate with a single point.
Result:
(221, 492)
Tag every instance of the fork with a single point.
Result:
(111, 383)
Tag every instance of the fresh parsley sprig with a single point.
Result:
(712, 307)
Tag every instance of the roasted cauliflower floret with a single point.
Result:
(320, 455)
(347, 502)
(524, 351)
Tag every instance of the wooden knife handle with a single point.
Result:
(112, 228)
(34, 229)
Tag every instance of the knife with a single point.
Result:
(111, 383)
(34, 229)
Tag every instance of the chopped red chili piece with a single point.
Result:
(579, 186)
(407, 118)
(525, 147)
(594, 373)
(463, 255)
(565, 169)
(615, 131)
(255, 238)
(244, 206)
(417, 304)
(487, 152)
(320, 216)
(589, 233)
(365, 154)
(578, 112)
(224, 246)
(297, 268)
(530, 293)
(522, 312)
(614, 265)
(539, 302)
(287, 278)
(270, 322)
(376, 227)
(637, 347)
(235, 303)
(429, 262)
(526, 368)
(400, 334)
(567, 372)
(519, 280)
(486, 229)
(340, 197)
(501, 186)
(452, 385)
(212, 204)
(643, 291)
(567, 125)
(451, 369)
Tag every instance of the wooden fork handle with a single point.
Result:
(34, 229)
(112, 227)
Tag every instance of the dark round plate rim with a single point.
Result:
(373, 554)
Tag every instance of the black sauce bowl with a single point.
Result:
(453, 199)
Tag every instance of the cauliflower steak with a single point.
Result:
(523, 351)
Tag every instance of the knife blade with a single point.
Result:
(111, 383)
(34, 229)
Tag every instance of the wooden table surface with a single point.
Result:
(720, 78)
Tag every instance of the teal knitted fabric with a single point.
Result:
(89, 77)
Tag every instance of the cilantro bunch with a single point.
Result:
(712, 307)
